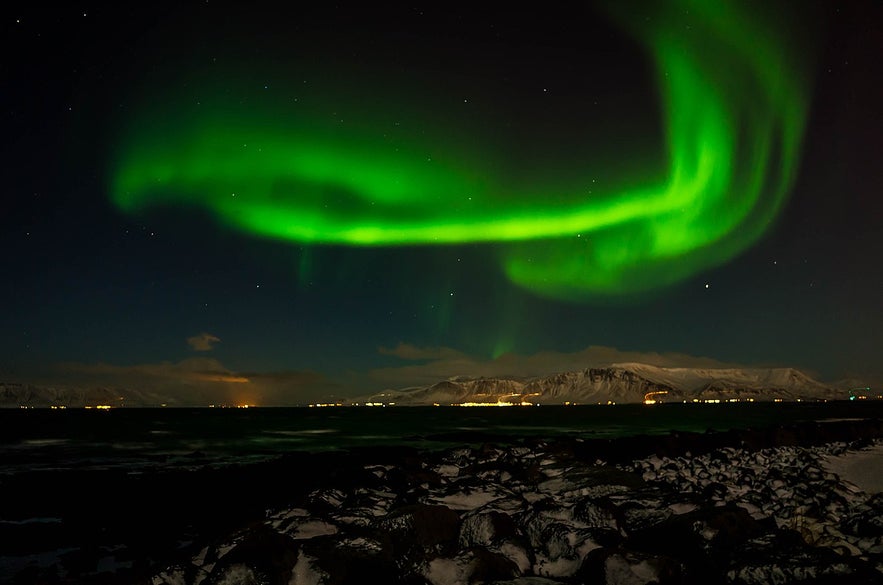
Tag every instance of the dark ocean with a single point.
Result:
(141, 439)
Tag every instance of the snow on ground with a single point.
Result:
(862, 468)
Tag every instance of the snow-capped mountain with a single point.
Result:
(620, 383)
(14, 395)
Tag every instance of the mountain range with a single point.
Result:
(15, 395)
(620, 383)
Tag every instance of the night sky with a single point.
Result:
(284, 202)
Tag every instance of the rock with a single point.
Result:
(238, 574)
(518, 552)
(550, 513)
(621, 567)
(639, 514)
(487, 528)
(261, 554)
(334, 560)
(474, 565)
(306, 570)
(595, 513)
(732, 525)
(529, 581)
(421, 529)
(559, 548)
(714, 491)
(488, 566)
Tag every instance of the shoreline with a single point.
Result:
(310, 509)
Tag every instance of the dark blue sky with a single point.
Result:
(85, 285)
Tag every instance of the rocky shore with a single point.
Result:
(748, 506)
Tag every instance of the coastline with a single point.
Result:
(567, 510)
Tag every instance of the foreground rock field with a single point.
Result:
(563, 512)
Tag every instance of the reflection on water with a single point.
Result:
(79, 439)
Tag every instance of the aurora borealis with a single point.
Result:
(733, 105)
(346, 195)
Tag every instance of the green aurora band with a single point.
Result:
(734, 108)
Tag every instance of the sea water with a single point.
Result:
(135, 438)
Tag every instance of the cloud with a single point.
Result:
(199, 382)
(409, 352)
(202, 342)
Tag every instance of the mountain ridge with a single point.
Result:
(620, 383)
